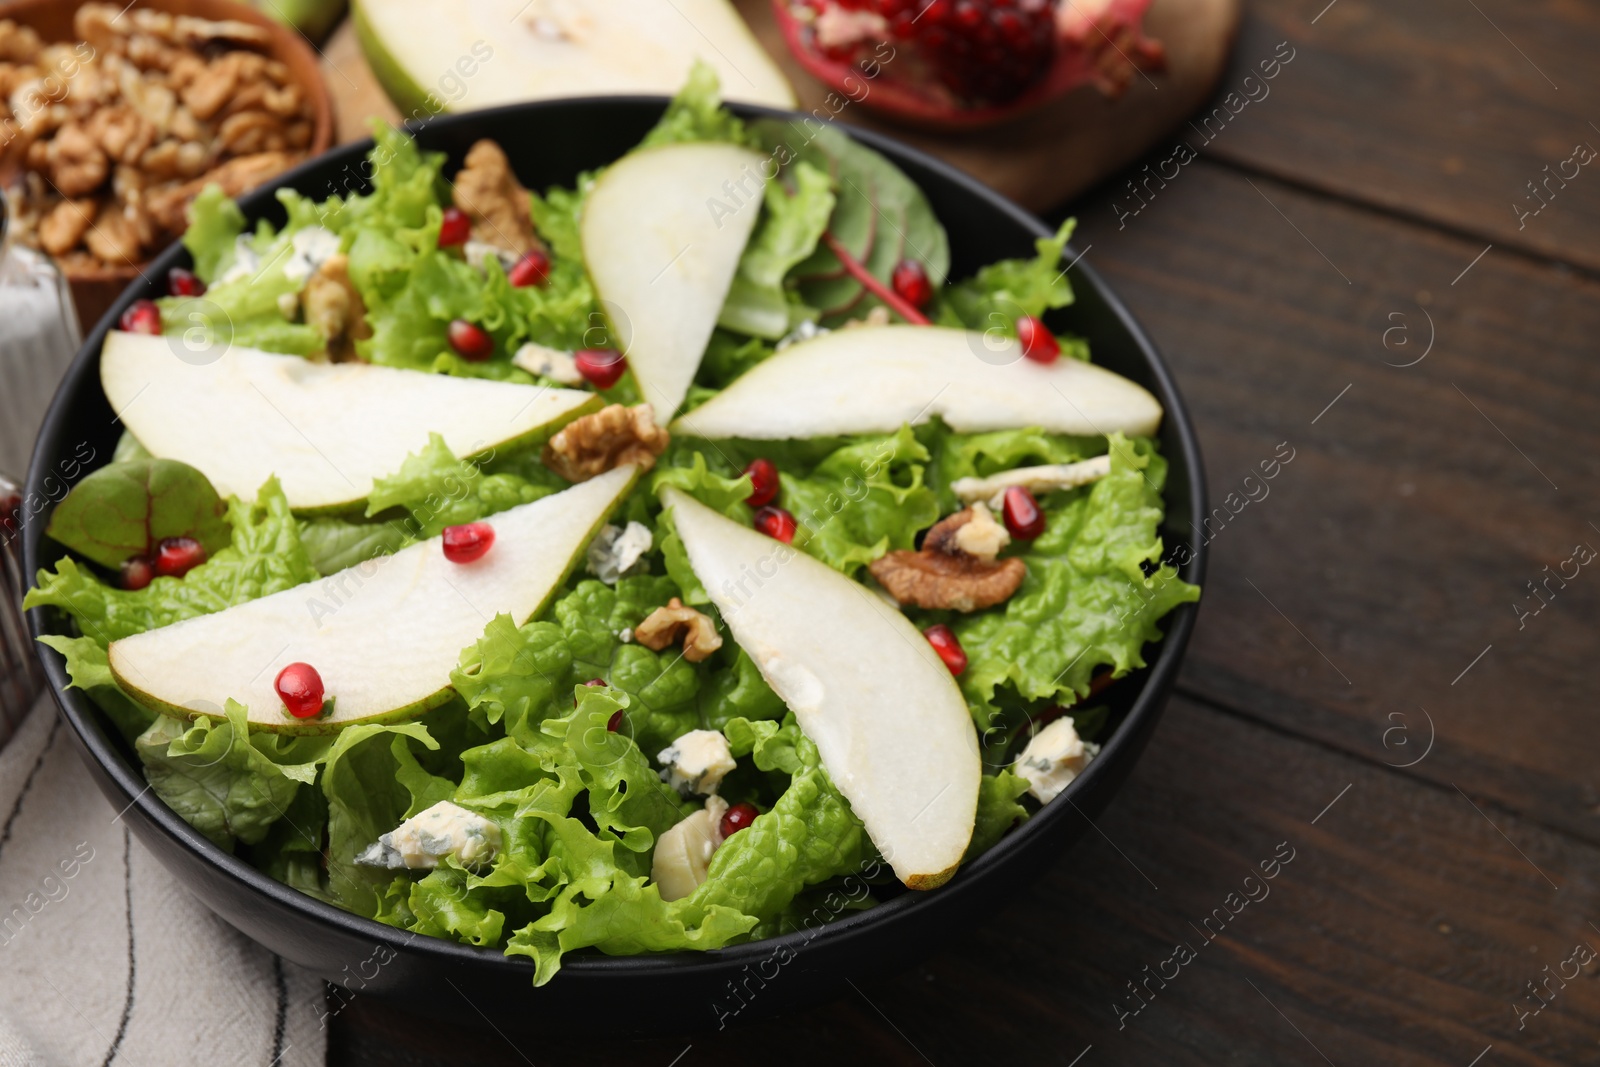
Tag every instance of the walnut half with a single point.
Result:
(664, 626)
(491, 196)
(946, 573)
(614, 435)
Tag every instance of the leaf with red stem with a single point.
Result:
(873, 284)
(881, 217)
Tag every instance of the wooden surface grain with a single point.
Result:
(1396, 546)
(1436, 110)
(1374, 680)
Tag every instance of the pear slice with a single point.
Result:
(663, 230)
(887, 718)
(483, 53)
(384, 635)
(327, 430)
(873, 379)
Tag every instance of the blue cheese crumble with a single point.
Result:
(423, 840)
(1054, 757)
(696, 762)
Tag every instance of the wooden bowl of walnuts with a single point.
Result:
(113, 119)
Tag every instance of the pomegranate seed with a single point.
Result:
(531, 269)
(471, 341)
(463, 544)
(10, 506)
(600, 367)
(945, 642)
(142, 317)
(177, 556)
(182, 282)
(1022, 514)
(454, 228)
(912, 283)
(1038, 343)
(776, 523)
(614, 723)
(137, 573)
(591, 683)
(763, 482)
(300, 688)
(736, 818)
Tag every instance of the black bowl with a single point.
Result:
(549, 143)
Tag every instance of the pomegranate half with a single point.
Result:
(960, 64)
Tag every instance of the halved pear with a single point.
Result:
(887, 718)
(384, 635)
(663, 230)
(482, 53)
(873, 379)
(327, 430)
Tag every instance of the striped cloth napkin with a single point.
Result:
(105, 960)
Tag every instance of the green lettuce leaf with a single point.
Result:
(728, 355)
(1014, 286)
(628, 801)
(439, 490)
(792, 222)
(335, 544)
(1087, 601)
(685, 468)
(266, 556)
(853, 499)
(998, 810)
(808, 836)
(406, 183)
(226, 782)
(739, 692)
(999, 294)
(862, 500)
(90, 671)
(696, 114)
(513, 674)
(365, 797)
(291, 851)
(215, 222)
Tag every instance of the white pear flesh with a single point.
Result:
(662, 237)
(874, 379)
(884, 711)
(327, 430)
(482, 53)
(384, 635)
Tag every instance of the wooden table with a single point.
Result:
(1342, 270)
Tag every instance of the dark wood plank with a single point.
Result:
(1434, 108)
(1401, 932)
(1391, 552)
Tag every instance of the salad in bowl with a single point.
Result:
(618, 567)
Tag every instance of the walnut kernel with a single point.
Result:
(665, 626)
(607, 439)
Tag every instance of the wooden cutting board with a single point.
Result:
(1041, 160)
